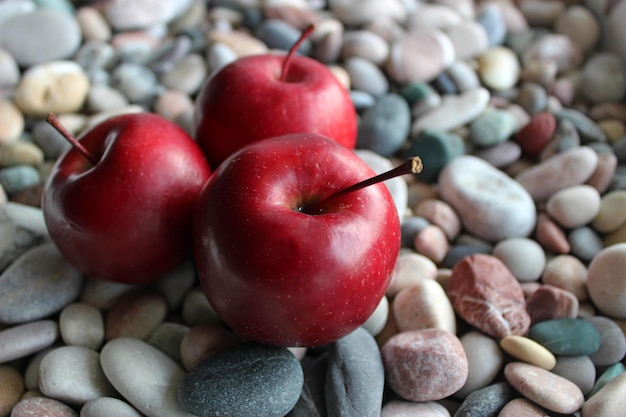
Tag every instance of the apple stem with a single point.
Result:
(54, 122)
(285, 68)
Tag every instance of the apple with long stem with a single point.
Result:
(263, 96)
(294, 241)
(118, 204)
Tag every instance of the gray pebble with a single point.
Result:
(410, 228)
(585, 243)
(21, 229)
(618, 182)
(138, 83)
(460, 251)
(247, 380)
(25, 339)
(170, 53)
(102, 98)
(355, 377)
(9, 70)
(445, 84)
(362, 100)
(486, 401)
(565, 136)
(612, 343)
(500, 155)
(366, 76)
(589, 131)
(278, 34)
(220, 55)
(532, 97)
(167, 337)
(96, 54)
(493, 127)
(603, 78)
(40, 36)
(19, 177)
(491, 19)
(51, 142)
(37, 284)
(578, 369)
(385, 127)
(187, 75)
(619, 149)
(312, 402)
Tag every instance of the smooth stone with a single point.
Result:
(603, 78)
(521, 407)
(103, 294)
(360, 12)
(409, 270)
(138, 83)
(563, 170)
(107, 406)
(581, 25)
(611, 213)
(492, 18)
(202, 341)
(145, 376)
(92, 24)
(49, 140)
(278, 34)
(167, 337)
(435, 15)
(566, 336)
(25, 339)
(501, 155)
(82, 325)
(568, 273)
(366, 76)
(241, 43)
(187, 75)
(432, 242)
(485, 199)
(487, 295)
(377, 321)
(608, 375)
(436, 147)
(578, 369)
(312, 401)
(486, 401)
(135, 315)
(454, 112)
(20, 152)
(536, 135)
(463, 75)
(574, 206)
(41, 406)
(73, 374)
(355, 376)
(585, 243)
(544, 388)
(529, 351)
(11, 122)
(609, 400)
(485, 360)
(551, 236)
(532, 97)
(524, 257)
(40, 36)
(493, 127)
(175, 284)
(11, 388)
(31, 372)
(52, 87)
(614, 30)
(469, 39)
(218, 56)
(39, 283)
(554, 47)
(197, 310)
(499, 68)
(400, 408)
(385, 126)
(425, 365)
(410, 228)
(249, 379)
(124, 15)
(366, 45)
(18, 178)
(539, 13)
(9, 69)
(102, 97)
(424, 305)
(22, 228)
(612, 342)
(459, 251)
(588, 130)
(362, 100)
(440, 213)
(548, 303)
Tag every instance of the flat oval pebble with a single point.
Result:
(41, 282)
(493, 127)
(364, 44)
(20, 152)
(82, 324)
(424, 365)
(521, 407)
(566, 336)
(424, 305)
(588, 129)
(486, 401)
(202, 341)
(574, 206)
(440, 213)
(399, 408)
(41, 406)
(606, 282)
(410, 269)
(485, 361)
(612, 342)
(499, 68)
(11, 121)
(377, 321)
(536, 134)
(249, 379)
(145, 376)
(578, 369)
(353, 12)
(608, 401)
(612, 212)
(11, 388)
(544, 388)
(572, 167)
(524, 257)
(432, 242)
(490, 204)
(136, 315)
(107, 406)
(124, 14)
(455, 111)
(609, 374)
(469, 39)
(25, 339)
(548, 302)
(167, 337)
(385, 126)
(529, 351)
(603, 78)
(366, 76)
(485, 294)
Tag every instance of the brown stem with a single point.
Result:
(54, 122)
(285, 68)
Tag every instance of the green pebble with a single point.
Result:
(415, 92)
(570, 337)
(493, 127)
(436, 149)
(61, 5)
(610, 373)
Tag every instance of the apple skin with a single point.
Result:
(275, 273)
(127, 218)
(246, 101)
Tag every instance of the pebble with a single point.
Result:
(385, 126)
(102, 97)
(138, 83)
(252, 371)
(567, 272)
(17, 178)
(52, 87)
(529, 351)
(9, 70)
(40, 36)
(492, 127)
(399, 408)
(440, 213)
(612, 342)
(603, 78)
(544, 388)
(20, 152)
(521, 407)
(548, 302)
(608, 401)
(135, 315)
(501, 155)
(72, 374)
(605, 281)
(423, 306)
(107, 406)
(563, 170)
(92, 24)
(490, 204)
(436, 147)
(23, 228)
(535, 136)
(487, 296)
(202, 341)
(485, 361)
(486, 401)
(603, 176)
(432, 242)
(25, 339)
(82, 325)
(492, 18)
(557, 48)
(566, 336)
(410, 269)
(435, 15)
(499, 68)
(585, 243)
(196, 308)
(377, 321)
(578, 369)
(355, 376)
(366, 45)
(187, 75)
(41, 406)
(612, 212)
(410, 228)
(278, 34)
(469, 38)
(608, 375)
(463, 76)
(574, 206)
(355, 13)
(532, 97)
(124, 15)
(11, 388)
(588, 130)
(37, 284)
(516, 253)
(367, 77)
(579, 24)
(11, 122)
(425, 365)
(167, 337)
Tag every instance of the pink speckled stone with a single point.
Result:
(399, 408)
(425, 365)
(487, 295)
(41, 406)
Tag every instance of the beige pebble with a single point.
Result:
(422, 306)
(521, 407)
(615, 237)
(610, 401)
(541, 13)
(20, 152)
(499, 68)
(612, 212)
(40, 407)
(557, 48)
(11, 388)
(136, 315)
(580, 25)
(574, 206)
(82, 324)
(9, 70)
(31, 374)
(469, 39)
(544, 388)
(485, 361)
(361, 12)
(52, 87)
(432, 242)
(107, 407)
(409, 270)
(11, 122)
(568, 273)
(92, 24)
(606, 281)
(613, 128)
(341, 74)
(203, 341)
(364, 44)
(175, 284)
(529, 351)
(172, 104)
(524, 257)
(603, 175)
(442, 214)
(242, 43)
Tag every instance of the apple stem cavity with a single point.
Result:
(285, 68)
(54, 122)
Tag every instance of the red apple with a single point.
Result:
(263, 96)
(284, 256)
(119, 203)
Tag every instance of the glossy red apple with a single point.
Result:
(283, 258)
(263, 96)
(119, 203)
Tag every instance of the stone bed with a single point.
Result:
(509, 294)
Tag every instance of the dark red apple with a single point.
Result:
(119, 203)
(263, 96)
(285, 253)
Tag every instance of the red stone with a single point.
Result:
(549, 302)
(486, 295)
(536, 134)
